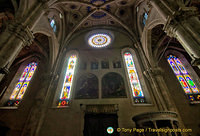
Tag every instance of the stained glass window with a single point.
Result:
(184, 78)
(22, 85)
(67, 85)
(145, 17)
(134, 79)
(99, 40)
(53, 24)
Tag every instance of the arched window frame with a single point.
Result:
(6, 100)
(194, 97)
(59, 91)
(146, 98)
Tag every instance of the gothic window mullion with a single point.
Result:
(22, 85)
(68, 80)
(184, 78)
(133, 78)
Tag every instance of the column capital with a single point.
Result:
(4, 70)
(196, 62)
(179, 17)
(170, 27)
(156, 71)
(21, 31)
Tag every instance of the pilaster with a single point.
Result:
(37, 109)
(161, 91)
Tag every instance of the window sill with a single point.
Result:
(143, 104)
(9, 108)
(195, 102)
(60, 107)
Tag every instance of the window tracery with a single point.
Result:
(184, 78)
(133, 78)
(67, 85)
(22, 84)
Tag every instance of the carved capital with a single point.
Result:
(196, 62)
(22, 32)
(4, 70)
(171, 27)
(153, 72)
(181, 16)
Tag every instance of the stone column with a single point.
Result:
(161, 90)
(189, 41)
(37, 109)
(151, 76)
(155, 90)
(164, 91)
(183, 24)
(17, 35)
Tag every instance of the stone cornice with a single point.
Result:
(101, 108)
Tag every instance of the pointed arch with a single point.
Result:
(66, 90)
(136, 82)
(22, 84)
(184, 78)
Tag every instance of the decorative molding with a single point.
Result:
(153, 72)
(180, 16)
(170, 27)
(195, 62)
(155, 116)
(4, 70)
(101, 108)
(22, 32)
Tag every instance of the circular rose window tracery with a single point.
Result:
(99, 40)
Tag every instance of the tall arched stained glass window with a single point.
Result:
(22, 85)
(133, 78)
(67, 85)
(184, 78)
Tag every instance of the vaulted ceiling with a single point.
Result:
(81, 14)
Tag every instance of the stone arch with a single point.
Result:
(53, 44)
(141, 6)
(173, 80)
(153, 39)
(58, 15)
(37, 52)
(62, 66)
